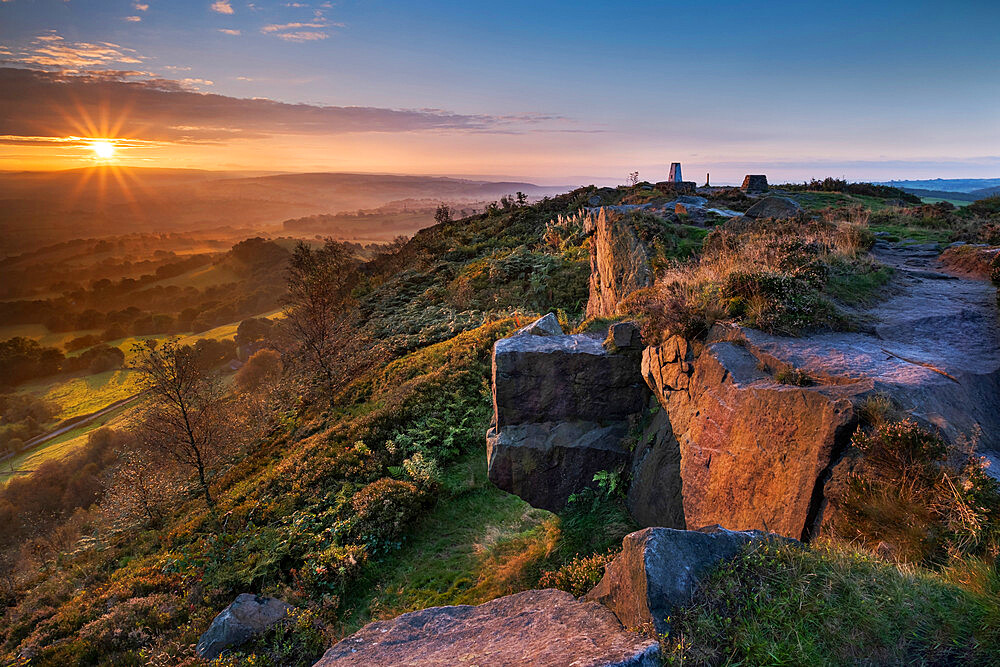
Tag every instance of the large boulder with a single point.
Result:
(747, 451)
(547, 627)
(659, 569)
(247, 616)
(774, 207)
(563, 406)
(754, 183)
(619, 263)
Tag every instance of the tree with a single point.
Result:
(633, 178)
(262, 369)
(186, 416)
(442, 214)
(319, 289)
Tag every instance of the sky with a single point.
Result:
(554, 92)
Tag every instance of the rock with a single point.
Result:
(654, 494)
(681, 209)
(774, 207)
(691, 200)
(619, 264)
(544, 464)
(747, 452)
(563, 406)
(543, 326)
(543, 628)
(754, 183)
(563, 378)
(247, 616)
(659, 568)
(594, 201)
(677, 187)
(623, 336)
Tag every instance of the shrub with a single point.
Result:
(297, 640)
(327, 573)
(918, 498)
(383, 510)
(579, 575)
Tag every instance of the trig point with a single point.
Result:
(675, 172)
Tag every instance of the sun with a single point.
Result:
(104, 150)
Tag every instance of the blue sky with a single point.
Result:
(559, 92)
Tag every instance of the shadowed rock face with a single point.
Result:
(659, 568)
(544, 628)
(562, 408)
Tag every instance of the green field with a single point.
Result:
(78, 395)
(953, 202)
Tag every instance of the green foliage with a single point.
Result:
(382, 510)
(779, 604)
(793, 376)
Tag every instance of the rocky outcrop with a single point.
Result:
(754, 183)
(247, 616)
(659, 568)
(748, 452)
(563, 405)
(774, 207)
(619, 263)
(547, 627)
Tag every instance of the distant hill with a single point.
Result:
(38, 208)
(949, 185)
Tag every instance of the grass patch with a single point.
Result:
(829, 605)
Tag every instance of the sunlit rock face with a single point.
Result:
(545, 628)
(619, 263)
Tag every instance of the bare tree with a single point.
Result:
(633, 178)
(319, 287)
(186, 417)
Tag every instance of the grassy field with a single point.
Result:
(61, 445)
(936, 200)
(78, 395)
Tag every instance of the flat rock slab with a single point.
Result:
(541, 628)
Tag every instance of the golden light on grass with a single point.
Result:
(103, 150)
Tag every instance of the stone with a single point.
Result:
(659, 569)
(774, 207)
(541, 628)
(563, 406)
(563, 378)
(544, 464)
(594, 200)
(619, 264)
(543, 326)
(677, 187)
(624, 336)
(749, 452)
(654, 494)
(754, 183)
(681, 209)
(247, 616)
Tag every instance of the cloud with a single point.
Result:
(196, 82)
(140, 7)
(277, 27)
(228, 31)
(223, 7)
(133, 19)
(302, 36)
(36, 103)
(51, 50)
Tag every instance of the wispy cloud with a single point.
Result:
(278, 27)
(140, 7)
(222, 7)
(229, 31)
(51, 50)
(303, 36)
(133, 19)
